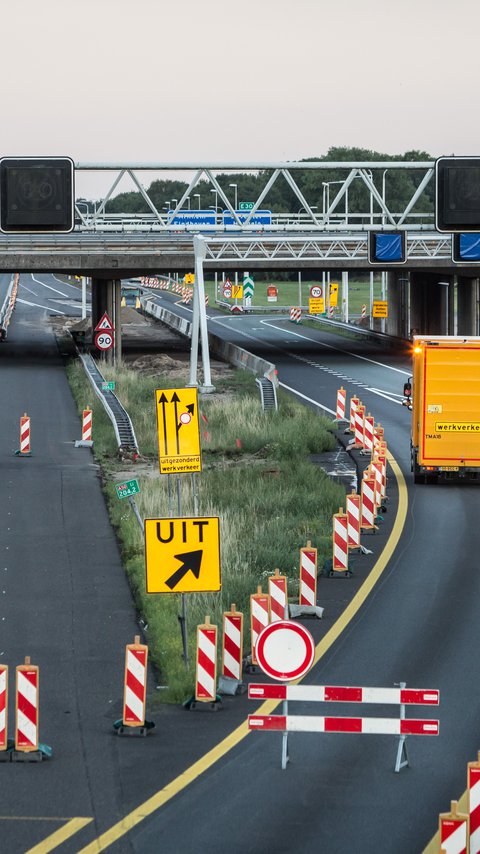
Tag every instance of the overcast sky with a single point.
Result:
(250, 80)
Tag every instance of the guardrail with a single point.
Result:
(122, 425)
(6, 310)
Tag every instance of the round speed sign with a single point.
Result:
(316, 291)
(104, 340)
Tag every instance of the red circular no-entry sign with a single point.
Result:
(285, 650)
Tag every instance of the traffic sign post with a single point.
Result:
(285, 651)
(104, 340)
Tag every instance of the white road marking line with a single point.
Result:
(37, 305)
(49, 287)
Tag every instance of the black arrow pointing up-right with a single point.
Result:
(191, 562)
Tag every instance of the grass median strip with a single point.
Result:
(257, 477)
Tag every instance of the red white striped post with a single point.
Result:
(259, 617)
(354, 402)
(377, 436)
(353, 508)
(453, 828)
(206, 669)
(277, 589)
(359, 426)
(232, 650)
(340, 542)
(26, 707)
(358, 725)
(296, 315)
(25, 450)
(368, 503)
(473, 787)
(308, 575)
(368, 428)
(382, 459)
(135, 683)
(364, 311)
(87, 421)
(3, 706)
(376, 471)
(341, 404)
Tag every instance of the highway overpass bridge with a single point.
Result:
(429, 292)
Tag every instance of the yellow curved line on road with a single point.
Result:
(205, 762)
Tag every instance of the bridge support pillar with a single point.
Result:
(468, 294)
(431, 304)
(106, 297)
(397, 291)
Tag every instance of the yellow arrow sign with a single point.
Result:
(182, 555)
(178, 430)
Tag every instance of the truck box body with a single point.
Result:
(446, 404)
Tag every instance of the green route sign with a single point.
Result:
(246, 206)
(125, 490)
(108, 386)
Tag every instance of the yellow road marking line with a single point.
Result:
(60, 835)
(183, 780)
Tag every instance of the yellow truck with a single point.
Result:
(445, 403)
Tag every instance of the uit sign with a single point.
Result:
(182, 555)
(178, 430)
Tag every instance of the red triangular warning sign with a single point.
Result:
(104, 323)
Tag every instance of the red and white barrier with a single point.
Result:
(364, 311)
(353, 508)
(368, 428)
(232, 651)
(206, 667)
(259, 617)
(473, 787)
(341, 404)
(3, 706)
(377, 437)
(345, 694)
(377, 473)
(277, 589)
(308, 576)
(296, 315)
(319, 723)
(382, 459)
(401, 726)
(354, 402)
(453, 828)
(135, 683)
(330, 311)
(340, 542)
(368, 503)
(25, 449)
(26, 707)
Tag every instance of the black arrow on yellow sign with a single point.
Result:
(191, 562)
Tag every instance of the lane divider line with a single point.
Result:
(205, 762)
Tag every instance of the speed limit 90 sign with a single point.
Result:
(104, 340)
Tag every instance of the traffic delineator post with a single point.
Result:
(353, 509)
(232, 644)
(230, 680)
(27, 747)
(473, 789)
(259, 618)
(368, 503)
(3, 707)
(277, 589)
(453, 829)
(341, 404)
(359, 427)
(354, 402)
(340, 545)
(368, 428)
(295, 315)
(25, 448)
(307, 606)
(87, 425)
(206, 663)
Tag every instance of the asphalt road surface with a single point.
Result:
(65, 602)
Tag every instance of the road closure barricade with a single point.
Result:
(3, 707)
(230, 680)
(277, 590)
(259, 618)
(87, 427)
(341, 404)
(295, 315)
(400, 726)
